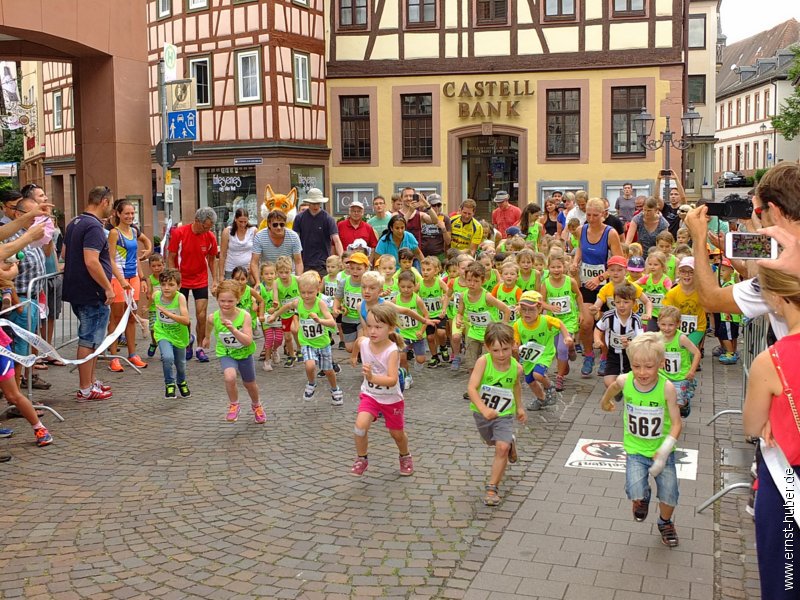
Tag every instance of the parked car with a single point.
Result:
(732, 179)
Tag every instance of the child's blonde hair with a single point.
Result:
(309, 279)
(508, 265)
(516, 243)
(334, 261)
(373, 278)
(433, 262)
(573, 223)
(647, 345)
(539, 256)
(659, 256)
(386, 260)
(231, 286)
(525, 253)
(669, 312)
(283, 263)
(266, 265)
(556, 256)
(635, 249)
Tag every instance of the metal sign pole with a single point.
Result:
(162, 86)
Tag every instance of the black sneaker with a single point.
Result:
(289, 361)
(169, 393)
(337, 368)
(434, 362)
(444, 352)
(669, 536)
(640, 510)
(184, 389)
(342, 346)
(321, 373)
(685, 409)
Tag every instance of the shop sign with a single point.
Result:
(303, 178)
(484, 99)
(248, 160)
(226, 183)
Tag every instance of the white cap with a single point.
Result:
(356, 204)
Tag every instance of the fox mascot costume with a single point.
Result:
(285, 203)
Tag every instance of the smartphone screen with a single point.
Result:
(748, 246)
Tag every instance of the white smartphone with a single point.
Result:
(749, 246)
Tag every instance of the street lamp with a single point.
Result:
(643, 126)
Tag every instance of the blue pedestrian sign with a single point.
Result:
(182, 125)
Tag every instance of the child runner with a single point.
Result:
(273, 329)
(651, 427)
(682, 358)
(171, 331)
(334, 268)
(380, 390)
(156, 262)
(727, 323)
(407, 265)
(528, 277)
(286, 286)
(475, 311)
(410, 329)
(433, 292)
(535, 336)
(487, 260)
(562, 293)
(655, 284)
(348, 297)
(456, 285)
(685, 297)
(312, 321)
(665, 243)
(251, 300)
(507, 291)
(495, 395)
(615, 330)
(232, 328)
(387, 266)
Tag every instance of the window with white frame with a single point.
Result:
(198, 4)
(58, 110)
(302, 78)
(248, 76)
(164, 8)
(200, 70)
(344, 195)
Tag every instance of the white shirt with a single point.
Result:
(747, 295)
(577, 213)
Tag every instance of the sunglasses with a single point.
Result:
(760, 209)
(277, 225)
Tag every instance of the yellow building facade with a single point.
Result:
(526, 105)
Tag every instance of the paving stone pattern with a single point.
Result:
(145, 498)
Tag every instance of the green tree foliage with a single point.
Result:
(11, 152)
(787, 121)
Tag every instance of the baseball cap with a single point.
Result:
(617, 260)
(513, 230)
(501, 196)
(360, 258)
(530, 297)
(434, 199)
(636, 263)
(687, 261)
(727, 263)
(356, 204)
(358, 243)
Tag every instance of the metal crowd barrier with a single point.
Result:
(754, 339)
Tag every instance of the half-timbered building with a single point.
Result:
(468, 97)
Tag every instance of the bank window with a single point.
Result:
(200, 70)
(353, 14)
(421, 12)
(626, 103)
(354, 112)
(164, 8)
(248, 76)
(197, 4)
(58, 110)
(697, 89)
(302, 79)
(626, 8)
(491, 12)
(417, 118)
(697, 31)
(563, 123)
(556, 10)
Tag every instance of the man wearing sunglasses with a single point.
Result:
(193, 250)
(273, 241)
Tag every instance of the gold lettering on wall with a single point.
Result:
(468, 109)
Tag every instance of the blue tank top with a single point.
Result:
(594, 254)
(363, 309)
(126, 255)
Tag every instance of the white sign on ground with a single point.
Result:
(605, 455)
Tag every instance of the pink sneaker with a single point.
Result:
(406, 466)
(233, 413)
(359, 466)
(260, 415)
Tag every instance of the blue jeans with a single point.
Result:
(637, 485)
(170, 355)
(92, 324)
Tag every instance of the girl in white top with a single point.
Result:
(236, 248)
(381, 390)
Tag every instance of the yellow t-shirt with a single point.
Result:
(606, 293)
(693, 315)
(462, 236)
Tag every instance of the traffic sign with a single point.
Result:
(169, 194)
(170, 62)
(182, 125)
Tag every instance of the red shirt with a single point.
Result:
(503, 218)
(192, 250)
(349, 234)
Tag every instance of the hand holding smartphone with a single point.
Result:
(750, 246)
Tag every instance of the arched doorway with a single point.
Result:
(106, 44)
(484, 159)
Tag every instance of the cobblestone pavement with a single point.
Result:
(144, 498)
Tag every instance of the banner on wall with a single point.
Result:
(10, 94)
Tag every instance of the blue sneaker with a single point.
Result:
(190, 348)
(729, 358)
(601, 370)
(6, 433)
(588, 366)
(201, 355)
(151, 350)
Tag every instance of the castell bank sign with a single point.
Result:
(486, 99)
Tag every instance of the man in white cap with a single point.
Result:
(355, 227)
(506, 214)
(318, 233)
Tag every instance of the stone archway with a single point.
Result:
(105, 40)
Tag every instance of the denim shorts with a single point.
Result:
(19, 345)
(419, 347)
(637, 485)
(92, 324)
(323, 357)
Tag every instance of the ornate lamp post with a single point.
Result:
(690, 124)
